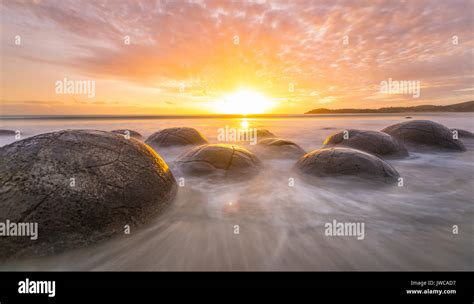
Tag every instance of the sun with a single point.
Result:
(244, 102)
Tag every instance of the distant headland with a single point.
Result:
(467, 106)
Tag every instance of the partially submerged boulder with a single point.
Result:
(334, 162)
(279, 148)
(128, 133)
(80, 187)
(220, 160)
(176, 137)
(252, 136)
(264, 133)
(373, 142)
(463, 134)
(425, 135)
(4, 132)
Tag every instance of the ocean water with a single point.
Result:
(282, 227)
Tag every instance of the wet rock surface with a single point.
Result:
(425, 135)
(378, 143)
(223, 160)
(80, 187)
(176, 137)
(333, 162)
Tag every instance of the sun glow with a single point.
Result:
(244, 102)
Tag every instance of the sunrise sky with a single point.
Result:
(185, 57)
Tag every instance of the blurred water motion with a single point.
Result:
(282, 227)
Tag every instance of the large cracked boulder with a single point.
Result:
(176, 137)
(80, 187)
(219, 160)
(128, 133)
(422, 135)
(279, 148)
(334, 162)
(378, 143)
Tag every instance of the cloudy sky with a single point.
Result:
(183, 56)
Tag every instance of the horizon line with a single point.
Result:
(216, 116)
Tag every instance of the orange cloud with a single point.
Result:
(342, 51)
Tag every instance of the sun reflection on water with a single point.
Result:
(244, 124)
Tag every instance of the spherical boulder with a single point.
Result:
(253, 135)
(219, 160)
(176, 137)
(128, 133)
(4, 132)
(333, 162)
(264, 133)
(425, 135)
(373, 142)
(79, 187)
(279, 148)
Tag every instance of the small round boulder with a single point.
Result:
(4, 132)
(176, 137)
(425, 135)
(264, 133)
(333, 162)
(373, 142)
(463, 134)
(280, 148)
(79, 187)
(128, 133)
(255, 135)
(221, 160)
